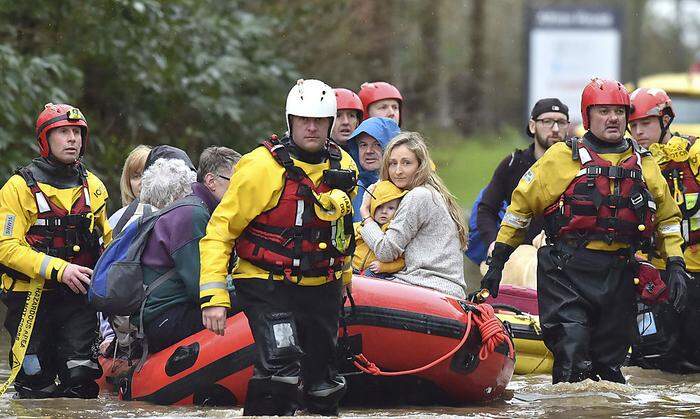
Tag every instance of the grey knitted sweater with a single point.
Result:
(423, 232)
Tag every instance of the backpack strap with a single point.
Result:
(147, 210)
(126, 216)
(147, 291)
(165, 277)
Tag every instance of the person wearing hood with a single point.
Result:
(54, 226)
(366, 146)
(603, 197)
(383, 205)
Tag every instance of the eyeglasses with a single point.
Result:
(549, 123)
(224, 177)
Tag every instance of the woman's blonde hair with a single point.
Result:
(425, 175)
(134, 162)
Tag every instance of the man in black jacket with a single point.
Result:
(548, 124)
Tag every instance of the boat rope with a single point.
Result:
(492, 335)
(24, 331)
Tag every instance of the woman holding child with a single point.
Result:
(427, 229)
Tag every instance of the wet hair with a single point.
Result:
(166, 181)
(425, 175)
(216, 159)
(135, 162)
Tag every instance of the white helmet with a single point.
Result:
(311, 98)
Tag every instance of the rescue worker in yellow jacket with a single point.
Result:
(603, 197)
(287, 215)
(54, 224)
(670, 341)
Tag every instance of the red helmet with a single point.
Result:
(61, 115)
(347, 99)
(650, 102)
(376, 91)
(603, 92)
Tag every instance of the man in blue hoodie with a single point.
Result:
(366, 146)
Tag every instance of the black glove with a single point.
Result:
(497, 260)
(676, 282)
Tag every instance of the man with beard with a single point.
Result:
(548, 124)
(603, 198)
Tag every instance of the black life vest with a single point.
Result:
(290, 239)
(603, 202)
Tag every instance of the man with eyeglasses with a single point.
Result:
(603, 198)
(215, 169)
(548, 124)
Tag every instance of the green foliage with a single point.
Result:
(25, 80)
(190, 73)
(194, 73)
(466, 164)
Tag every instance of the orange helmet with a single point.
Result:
(376, 91)
(347, 99)
(60, 115)
(650, 102)
(603, 92)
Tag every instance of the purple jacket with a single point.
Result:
(174, 243)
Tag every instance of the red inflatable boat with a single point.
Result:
(415, 346)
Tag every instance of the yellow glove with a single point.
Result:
(332, 205)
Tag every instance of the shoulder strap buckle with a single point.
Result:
(574, 144)
(334, 154)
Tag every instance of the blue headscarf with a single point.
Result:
(382, 130)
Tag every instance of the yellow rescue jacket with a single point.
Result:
(18, 212)
(383, 192)
(680, 149)
(364, 255)
(545, 182)
(256, 186)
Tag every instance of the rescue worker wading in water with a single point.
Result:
(603, 197)
(287, 214)
(673, 344)
(53, 217)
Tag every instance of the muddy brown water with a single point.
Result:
(648, 394)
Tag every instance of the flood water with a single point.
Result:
(648, 394)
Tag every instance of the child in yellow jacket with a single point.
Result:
(385, 200)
